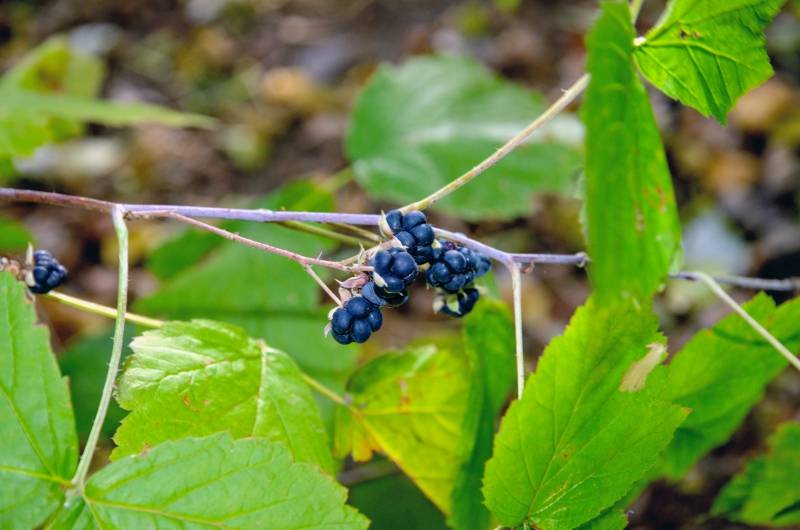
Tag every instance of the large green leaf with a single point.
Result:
(269, 296)
(213, 482)
(418, 126)
(489, 343)
(201, 377)
(707, 53)
(410, 406)
(721, 373)
(38, 446)
(50, 94)
(576, 443)
(767, 492)
(632, 227)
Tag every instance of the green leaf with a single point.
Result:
(393, 503)
(215, 482)
(489, 343)
(707, 53)
(418, 126)
(269, 296)
(611, 519)
(50, 94)
(38, 446)
(767, 492)
(201, 377)
(575, 444)
(632, 227)
(13, 235)
(721, 373)
(84, 364)
(410, 406)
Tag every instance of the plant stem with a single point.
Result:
(302, 260)
(556, 108)
(322, 231)
(102, 310)
(325, 391)
(79, 480)
(516, 286)
(322, 284)
(636, 6)
(788, 284)
(725, 297)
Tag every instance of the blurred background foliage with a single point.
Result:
(282, 80)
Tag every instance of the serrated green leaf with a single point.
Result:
(721, 373)
(767, 492)
(611, 519)
(418, 126)
(410, 406)
(269, 296)
(85, 363)
(489, 343)
(202, 377)
(632, 226)
(198, 483)
(38, 446)
(575, 444)
(707, 53)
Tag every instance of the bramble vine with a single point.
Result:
(215, 412)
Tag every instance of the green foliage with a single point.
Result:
(632, 226)
(721, 373)
(418, 126)
(201, 377)
(50, 94)
(411, 406)
(432, 410)
(575, 443)
(38, 446)
(269, 296)
(767, 492)
(211, 482)
(707, 53)
(13, 235)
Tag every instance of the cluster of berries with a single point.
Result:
(46, 273)
(449, 267)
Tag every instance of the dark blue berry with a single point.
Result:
(455, 260)
(406, 239)
(341, 321)
(395, 269)
(47, 272)
(483, 265)
(375, 319)
(393, 284)
(358, 307)
(422, 254)
(341, 338)
(423, 234)
(412, 219)
(404, 266)
(370, 292)
(395, 220)
(465, 301)
(361, 331)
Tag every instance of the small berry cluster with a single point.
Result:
(450, 268)
(47, 273)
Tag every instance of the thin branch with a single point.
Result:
(144, 210)
(554, 110)
(322, 231)
(325, 391)
(725, 297)
(322, 284)
(302, 260)
(366, 234)
(765, 284)
(516, 286)
(102, 310)
(79, 480)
